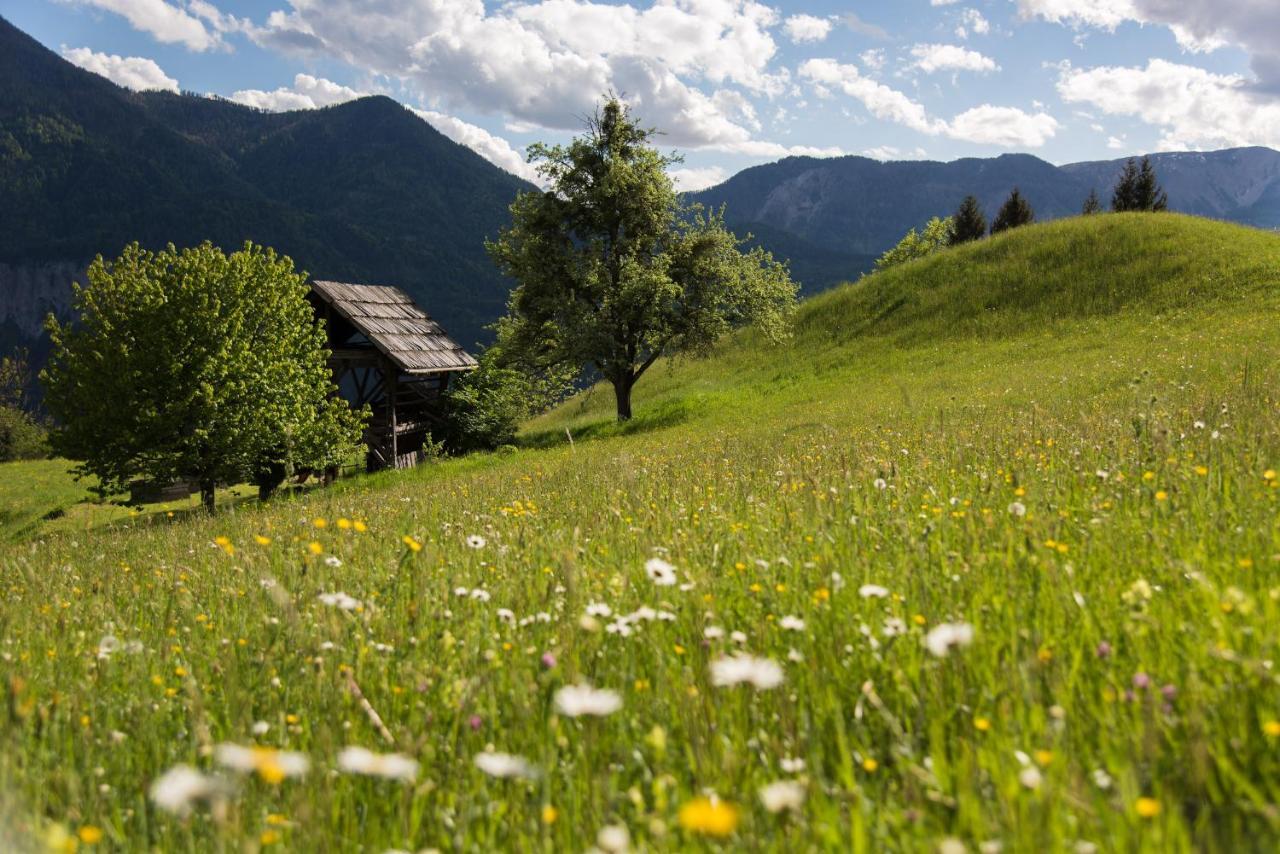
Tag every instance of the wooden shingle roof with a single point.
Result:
(395, 324)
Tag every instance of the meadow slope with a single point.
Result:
(1064, 438)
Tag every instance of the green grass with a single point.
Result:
(1115, 378)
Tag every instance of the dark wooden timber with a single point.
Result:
(388, 354)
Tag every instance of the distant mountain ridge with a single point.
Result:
(861, 207)
(364, 191)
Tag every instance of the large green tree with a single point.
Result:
(969, 222)
(1138, 189)
(615, 272)
(1014, 213)
(194, 365)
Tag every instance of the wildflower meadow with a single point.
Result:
(955, 569)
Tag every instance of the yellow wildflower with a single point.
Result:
(712, 817)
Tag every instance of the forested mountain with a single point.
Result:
(861, 207)
(365, 191)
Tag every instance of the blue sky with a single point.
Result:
(731, 82)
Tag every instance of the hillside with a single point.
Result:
(862, 206)
(363, 191)
(997, 527)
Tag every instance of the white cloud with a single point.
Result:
(693, 179)
(132, 72)
(1004, 126)
(930, 58)
(984, 125)
(807, 28)
(167, 23)
(545, 63)
(889, 152)
(1195, 108)
(307, 93)
(1198, 25)
(493, 148)
(972, 21)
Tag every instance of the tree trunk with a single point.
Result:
(207, 488)
(622, 393)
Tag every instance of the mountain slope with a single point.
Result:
(999, 566)
(364, 191)
(862, 206)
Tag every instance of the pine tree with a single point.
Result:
(1149, 195)
(1138, 189)
(1093, 204)
(969, 222)
(1124, 196)
(1013, 213)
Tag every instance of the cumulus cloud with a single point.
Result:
(948, 57)
(545, 63)
(132, 72)
(1194, 108)
(166, 22)
(692, 179)
(493, 148)
(972, 21)
(890, 152)
(307, 93)
(1198, 25)
(985, 124)
(807, 28)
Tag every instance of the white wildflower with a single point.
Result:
(880, 483)
(333, 561)
(713, 633)
(782, 795)
(791, 765)
(476, 541)
(577, 700)
(340, 600)
(1030, 777)
(660, 572)
(270, 763)
(108, 646)
(177, 789)
(791, 623)
(613, 839)
(873, 591)
(506, 615)
(480, 594)
(260, 728)
(599, 609)
(1017, 508)
(391, 766)
(945, 637)
(738, 637)
(761, 673)
(505, 766)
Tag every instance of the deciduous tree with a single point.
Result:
(613, 272)
(194, 365)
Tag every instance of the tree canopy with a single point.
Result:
(1016, 211)
(615, 272)
(936, 235)
(969, 222)
(1138, 189)
(194, 365)
(1092, 204)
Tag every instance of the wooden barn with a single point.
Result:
(388, 353)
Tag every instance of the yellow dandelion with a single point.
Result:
(315, 548)
(343, 523)
(319, 522)
(1161, 495)
(1044, 757)
(269, 837)
(414, 545)
(712, 817)
(982, 724)
(261, 540)
(89, 834)
(224, 543)
(1272, 728)
(1147, 807)
(550, 814)
(360, 527)
(870, 765)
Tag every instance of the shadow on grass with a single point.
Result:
(657, 417)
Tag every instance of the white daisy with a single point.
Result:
(505, 766)
(782, 795)
(390, 766)
(660, 572)
(577, 700)
(791, 624)
(599, 609)
(181, 786)
(761, 673)
(873, 591)
(476, 541)
(270, 763)
(340, 600)
(944, 637)
(613, 839)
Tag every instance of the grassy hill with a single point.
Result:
(1064, 438)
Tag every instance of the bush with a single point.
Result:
(21, 438)
(937, 235)
(485, 407)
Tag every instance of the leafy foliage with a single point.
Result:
(938, 234)
(485, 407)
(1138, 189)
(21, 436)
(1014, 213)
(969, 222)
(614, 272)
(195, 365)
